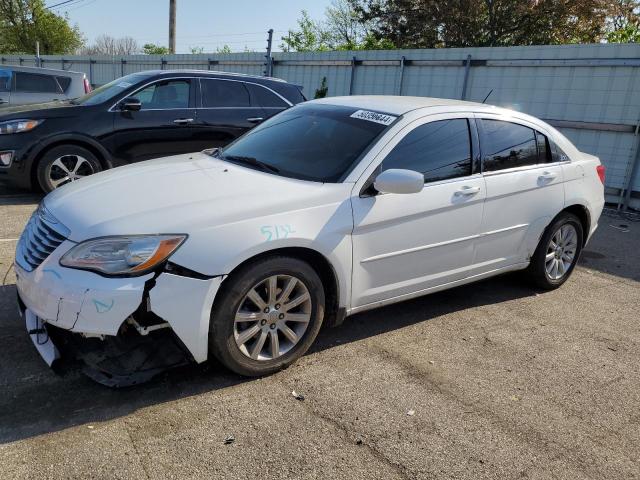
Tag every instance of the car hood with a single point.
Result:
(179, 194)
(37, 110)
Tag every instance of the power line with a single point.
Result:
(62, 3)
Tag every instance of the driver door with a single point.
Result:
(409, 243)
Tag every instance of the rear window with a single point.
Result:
(64, 83)
(36, 83)
(5, 80)
(311, 142)
(224, 93)
(265, 98)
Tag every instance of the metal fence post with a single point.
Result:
(634, 172)
(122, 62)
(403, 60)
(91, 72)
(467, 68)
(353, 74)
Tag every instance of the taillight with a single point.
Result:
(600, 169)
(87, 86)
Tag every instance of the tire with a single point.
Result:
(238, 325)
(538, 270)
(56, 167)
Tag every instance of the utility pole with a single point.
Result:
(172, 26)
(268, 71)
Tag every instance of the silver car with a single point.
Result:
(25, 85)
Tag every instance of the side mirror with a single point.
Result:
(130, 105)
(399, 181)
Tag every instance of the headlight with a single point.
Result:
(18, 126)
(130, 255)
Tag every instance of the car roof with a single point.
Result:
(395, 105)
(45, 71)
(211, 73)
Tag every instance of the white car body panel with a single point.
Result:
(382, 248)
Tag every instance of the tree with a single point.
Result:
(224, 49)
(466, 23)
(310, 37)
(153, 49)
(322, 90)
(623, 22)
(196, 50)
(107, 45)
(25, 22)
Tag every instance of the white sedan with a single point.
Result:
(332, 207)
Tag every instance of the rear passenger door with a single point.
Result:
(224, 113)
(5, 87)
(35, 88)
(270, 102)
(524, 191)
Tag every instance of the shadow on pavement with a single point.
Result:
(35, 401)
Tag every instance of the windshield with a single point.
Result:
(110, 90)
(315, 142)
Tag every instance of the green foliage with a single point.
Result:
(25, 22)
(196, 50)
(310, 37)
(627, 34)
(223, 49)
(322, 91)
(153, 49)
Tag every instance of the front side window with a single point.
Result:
(5, 80)
(508, 145)
(310, 142)
(439, 150)
(36, 83)
(224, 93)
(165, 95)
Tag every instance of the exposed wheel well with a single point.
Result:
(582, 213)
(78, 143)
(323, 268)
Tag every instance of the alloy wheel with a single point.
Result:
(272, 317)
(69, 168)
(561, 251)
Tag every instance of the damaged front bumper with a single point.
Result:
(116, 317)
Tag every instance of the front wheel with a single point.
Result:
(268, 315)
(557, 253)
(65, 164)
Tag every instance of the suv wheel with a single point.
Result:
(268, 315)
(65, 164)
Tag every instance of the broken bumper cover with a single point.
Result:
(92, 305)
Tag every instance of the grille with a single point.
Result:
(39, 239)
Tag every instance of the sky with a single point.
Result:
(200, 23)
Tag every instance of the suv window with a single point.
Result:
(165, 95)
(35, 82)
(224, 93)
(64, 83)
(508, 145)
(439, 150)
(262, 97)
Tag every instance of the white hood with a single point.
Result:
(178, 194)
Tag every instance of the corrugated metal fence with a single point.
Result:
(590, 92)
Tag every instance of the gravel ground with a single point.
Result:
(491, 380)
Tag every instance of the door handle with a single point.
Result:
(255, 119)
(183, 121)
(467, 191)
(547, 176)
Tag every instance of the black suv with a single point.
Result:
(137, 117)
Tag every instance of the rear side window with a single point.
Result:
(36, 83)
(224, 93)
(439, 150)
(64, 83)
(508, 145)
(262, 97)
(5, 80)
(544, 148)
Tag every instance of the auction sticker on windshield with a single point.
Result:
(376, 117)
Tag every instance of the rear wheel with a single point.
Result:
(65, 164)
(268, 315)
(557, 253)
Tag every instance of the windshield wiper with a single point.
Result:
(254, 162)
